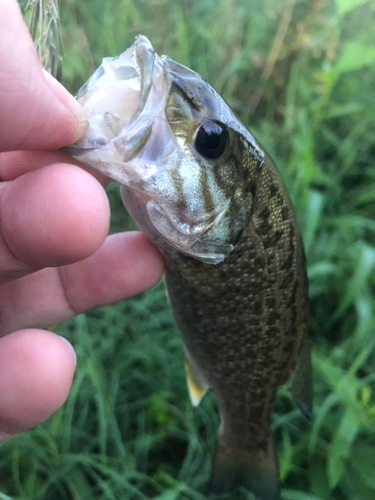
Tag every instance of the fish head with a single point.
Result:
(176, 147)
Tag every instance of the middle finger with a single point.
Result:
(50, 217)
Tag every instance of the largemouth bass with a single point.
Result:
(211, 199)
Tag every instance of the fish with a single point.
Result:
(210, 198)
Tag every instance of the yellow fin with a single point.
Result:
(196, 382)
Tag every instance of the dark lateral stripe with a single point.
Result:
(220, 180)
(178, 185)
(206, 191)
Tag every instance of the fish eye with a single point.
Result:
(210, 139)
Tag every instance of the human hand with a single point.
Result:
(56, 260)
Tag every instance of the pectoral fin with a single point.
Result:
(300, 381)
(196, 382)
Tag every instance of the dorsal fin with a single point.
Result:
(300, 383)
(197, 384)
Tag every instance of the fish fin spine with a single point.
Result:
(197, 385)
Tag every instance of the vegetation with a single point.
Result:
(300, 74)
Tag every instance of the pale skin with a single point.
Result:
(56, 259)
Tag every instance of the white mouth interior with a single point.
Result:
(115, 94)
(110, 107)
(117, 88)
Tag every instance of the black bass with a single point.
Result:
(210, 198)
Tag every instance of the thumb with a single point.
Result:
(36, 111)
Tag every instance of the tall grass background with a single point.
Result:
(300, 74)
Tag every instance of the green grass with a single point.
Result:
(301, 76)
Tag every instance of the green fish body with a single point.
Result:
(211, 199)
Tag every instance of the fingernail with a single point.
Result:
(81, 129)
(67, 99)
(72, 350)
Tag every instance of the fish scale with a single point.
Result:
(210, 198)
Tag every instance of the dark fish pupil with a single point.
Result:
(210, 140)
(211, 135)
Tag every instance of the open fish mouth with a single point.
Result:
(122, 99)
